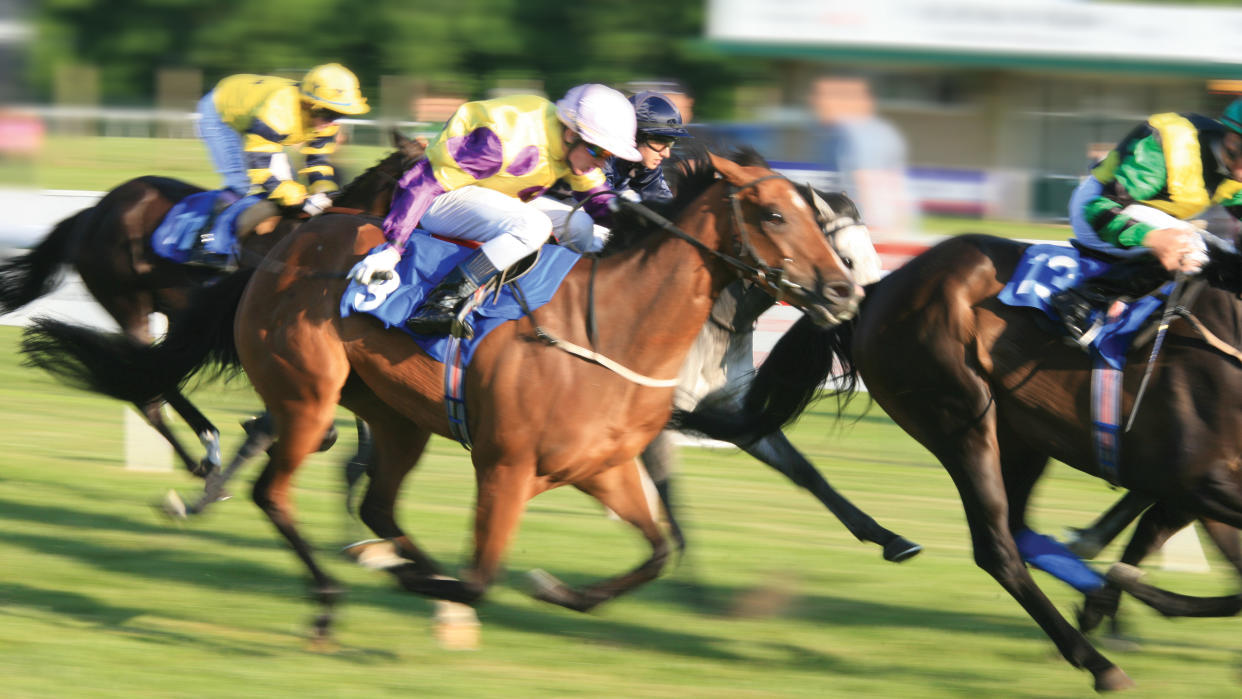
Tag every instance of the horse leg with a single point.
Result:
(359, 464)
(1088, 542)
(658, 460)
(1154, 528)
(153, 413)
(620, 489)
(1218, 496)
(207, 433)
(964, 439)
(398, 444)
(300, 434)
(776, 451)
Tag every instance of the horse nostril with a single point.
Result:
(842, 291)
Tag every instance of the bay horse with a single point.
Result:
(109, 246)
(539, 416)
(994, 392)
(721, 362)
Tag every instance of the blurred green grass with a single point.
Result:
(99, 164)
(102, 597)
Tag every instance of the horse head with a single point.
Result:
(778, 237)
(847, 234)
(371, 192)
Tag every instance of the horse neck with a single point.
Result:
(371, 192)
(659, 297)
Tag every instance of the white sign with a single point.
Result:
(1044, 28)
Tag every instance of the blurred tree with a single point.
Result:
(470, 44)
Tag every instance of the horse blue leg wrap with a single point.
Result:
(1051, 556)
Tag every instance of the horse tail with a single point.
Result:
(27, 277)
(116, 365)
(788, 381)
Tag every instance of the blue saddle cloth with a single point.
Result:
(1047, 269)
(425, 262)
(178, 232)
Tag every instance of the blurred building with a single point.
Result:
(1001, 103)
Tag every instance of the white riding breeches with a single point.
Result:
(509, 228)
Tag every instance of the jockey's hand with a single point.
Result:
(1178, 249)
(317, 203)
(376, 267)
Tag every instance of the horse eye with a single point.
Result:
(773, 216)
(848, 262)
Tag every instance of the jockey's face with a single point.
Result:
(1233, 154)
(654, 150)
(582, 156)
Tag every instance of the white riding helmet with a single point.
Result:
(602, 116)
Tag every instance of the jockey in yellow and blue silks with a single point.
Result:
(1137, 202)
(482, 180)
(248, 120)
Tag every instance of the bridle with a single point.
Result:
(760, 272)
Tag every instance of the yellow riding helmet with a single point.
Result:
(333, 86)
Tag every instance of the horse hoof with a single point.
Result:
(901, 549)
(172, 505)
(329, 439)
(1113, 679)
(545, 587)
(1123, 575)
(456, 626)
(376, 554)
(1082, 544)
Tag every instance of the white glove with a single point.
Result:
(376, 267)
(316, 203)
(631, 195)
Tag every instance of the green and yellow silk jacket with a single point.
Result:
(1173, 163)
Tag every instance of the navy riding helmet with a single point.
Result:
(657, 116)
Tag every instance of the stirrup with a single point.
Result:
(1084, 338)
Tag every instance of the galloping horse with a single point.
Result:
(109, 245)
(721, 362)
(540, 417)
(994, 392)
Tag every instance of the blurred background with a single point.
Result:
(926, 111)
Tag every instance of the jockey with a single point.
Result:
(247, 120)
(482, 179)
(659, 127)
(1137, 203)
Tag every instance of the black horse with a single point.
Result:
(109, 245)
(994, 392)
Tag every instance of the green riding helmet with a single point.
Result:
(1232, 118)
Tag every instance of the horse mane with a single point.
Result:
(384, 164)
(692, 176)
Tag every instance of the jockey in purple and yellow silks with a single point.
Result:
(248, 120)
(482, 180)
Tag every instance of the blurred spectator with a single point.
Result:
(867, 152)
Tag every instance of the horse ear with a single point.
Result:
(413, 148)
(728, 169)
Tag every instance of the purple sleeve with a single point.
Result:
(597, 199)
(417, 188)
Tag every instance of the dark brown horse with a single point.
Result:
(994, 392)
(540, 417)
(109, 245)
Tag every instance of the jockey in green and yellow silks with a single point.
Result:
(1137, 203)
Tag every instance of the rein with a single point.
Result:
(762, 273)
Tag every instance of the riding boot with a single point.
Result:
(438, 313)
(200, 255)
